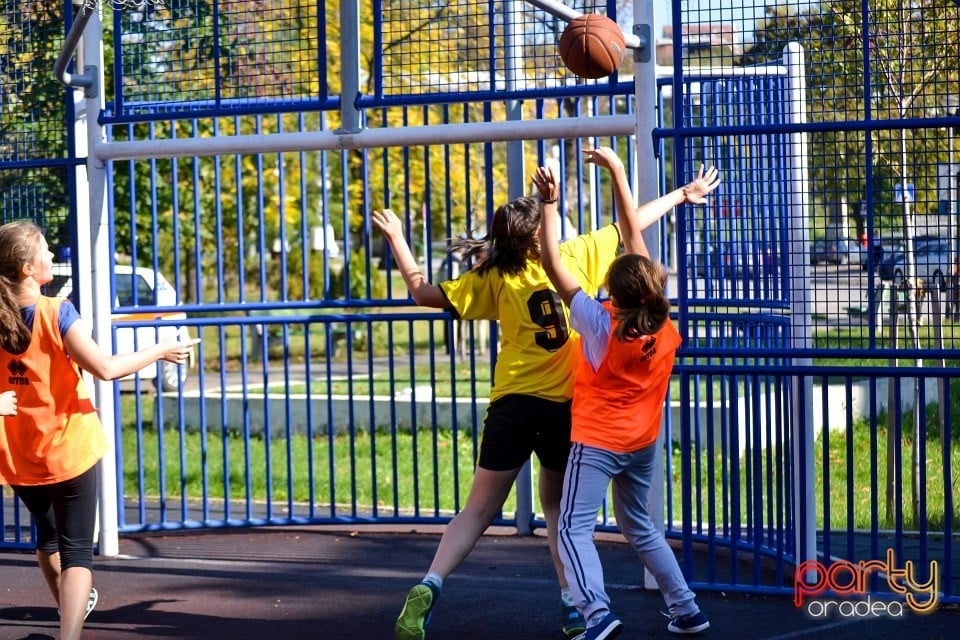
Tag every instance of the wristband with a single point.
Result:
(547, 200)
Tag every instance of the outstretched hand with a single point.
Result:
(388, 223)
(177, 352)
(603, 157)
(546, 183)
(696, 191)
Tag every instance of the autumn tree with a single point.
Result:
(897, 61)
(33, 116)
(910, 75)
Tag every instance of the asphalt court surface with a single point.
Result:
(294, 583)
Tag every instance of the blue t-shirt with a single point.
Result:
(66, 316)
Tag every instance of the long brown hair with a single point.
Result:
(512, 241)
(19, 245)
(637, 286)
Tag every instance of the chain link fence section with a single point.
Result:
(465, 48)
(198, 57)
(122, 5)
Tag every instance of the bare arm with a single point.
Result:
(88, 355)
(634, 219)
(565, 284)
(424, 293)
(631, 226)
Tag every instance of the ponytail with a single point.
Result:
(638, 288)
(513, 239)
(19, 244)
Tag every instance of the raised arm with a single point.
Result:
(634, 219)
(423, 292)
(631, 226)
(549, 189)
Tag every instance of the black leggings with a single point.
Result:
(66, 515)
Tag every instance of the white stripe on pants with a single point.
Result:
(588, 474)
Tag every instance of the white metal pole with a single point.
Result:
(566, 13)
(93, 267)
(517, 186)
(437, 134)
(801, 336)
(349, 65)
(951, 195)
(646, 179)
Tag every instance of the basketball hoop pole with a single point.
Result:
(92, 280)
(565, 13)
(88, 79)
(83, 10)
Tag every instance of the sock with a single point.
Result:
(596, 617)
(434, 580)
(684, 609)
(566, 597)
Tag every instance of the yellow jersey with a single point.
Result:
(537, 354)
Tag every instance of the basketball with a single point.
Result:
(592, 46)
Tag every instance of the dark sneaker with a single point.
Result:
(416, 612)
(691, 623)
(573, 622)
(91, 602)
(609, 627)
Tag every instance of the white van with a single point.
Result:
(152, 289)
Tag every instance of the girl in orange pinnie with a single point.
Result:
(626, 354)
(50, 436)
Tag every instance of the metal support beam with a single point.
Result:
(88, 79)
(565, 13)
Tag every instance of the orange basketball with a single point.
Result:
(592, 46)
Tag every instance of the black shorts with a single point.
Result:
(518, 425)
(66, 515)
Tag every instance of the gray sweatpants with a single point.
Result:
(585, 482)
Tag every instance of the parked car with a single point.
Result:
(837, 252)
(731, 260)
(933, 261)
(701, 258)
(883, 248)
(151, 289)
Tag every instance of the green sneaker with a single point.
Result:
(573, 622)
(416, 612)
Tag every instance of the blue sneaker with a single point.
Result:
(609, 627)
(690, 623)
(416, 612)
(573, 622)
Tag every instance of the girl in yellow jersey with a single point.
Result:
(626, 353)
(529, 408)
(52, 439)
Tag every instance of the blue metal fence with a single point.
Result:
(334, 338)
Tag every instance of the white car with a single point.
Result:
(152, 289)
(933, 262)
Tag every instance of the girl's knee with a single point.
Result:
(71, 557)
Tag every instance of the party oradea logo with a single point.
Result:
(842, 588)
